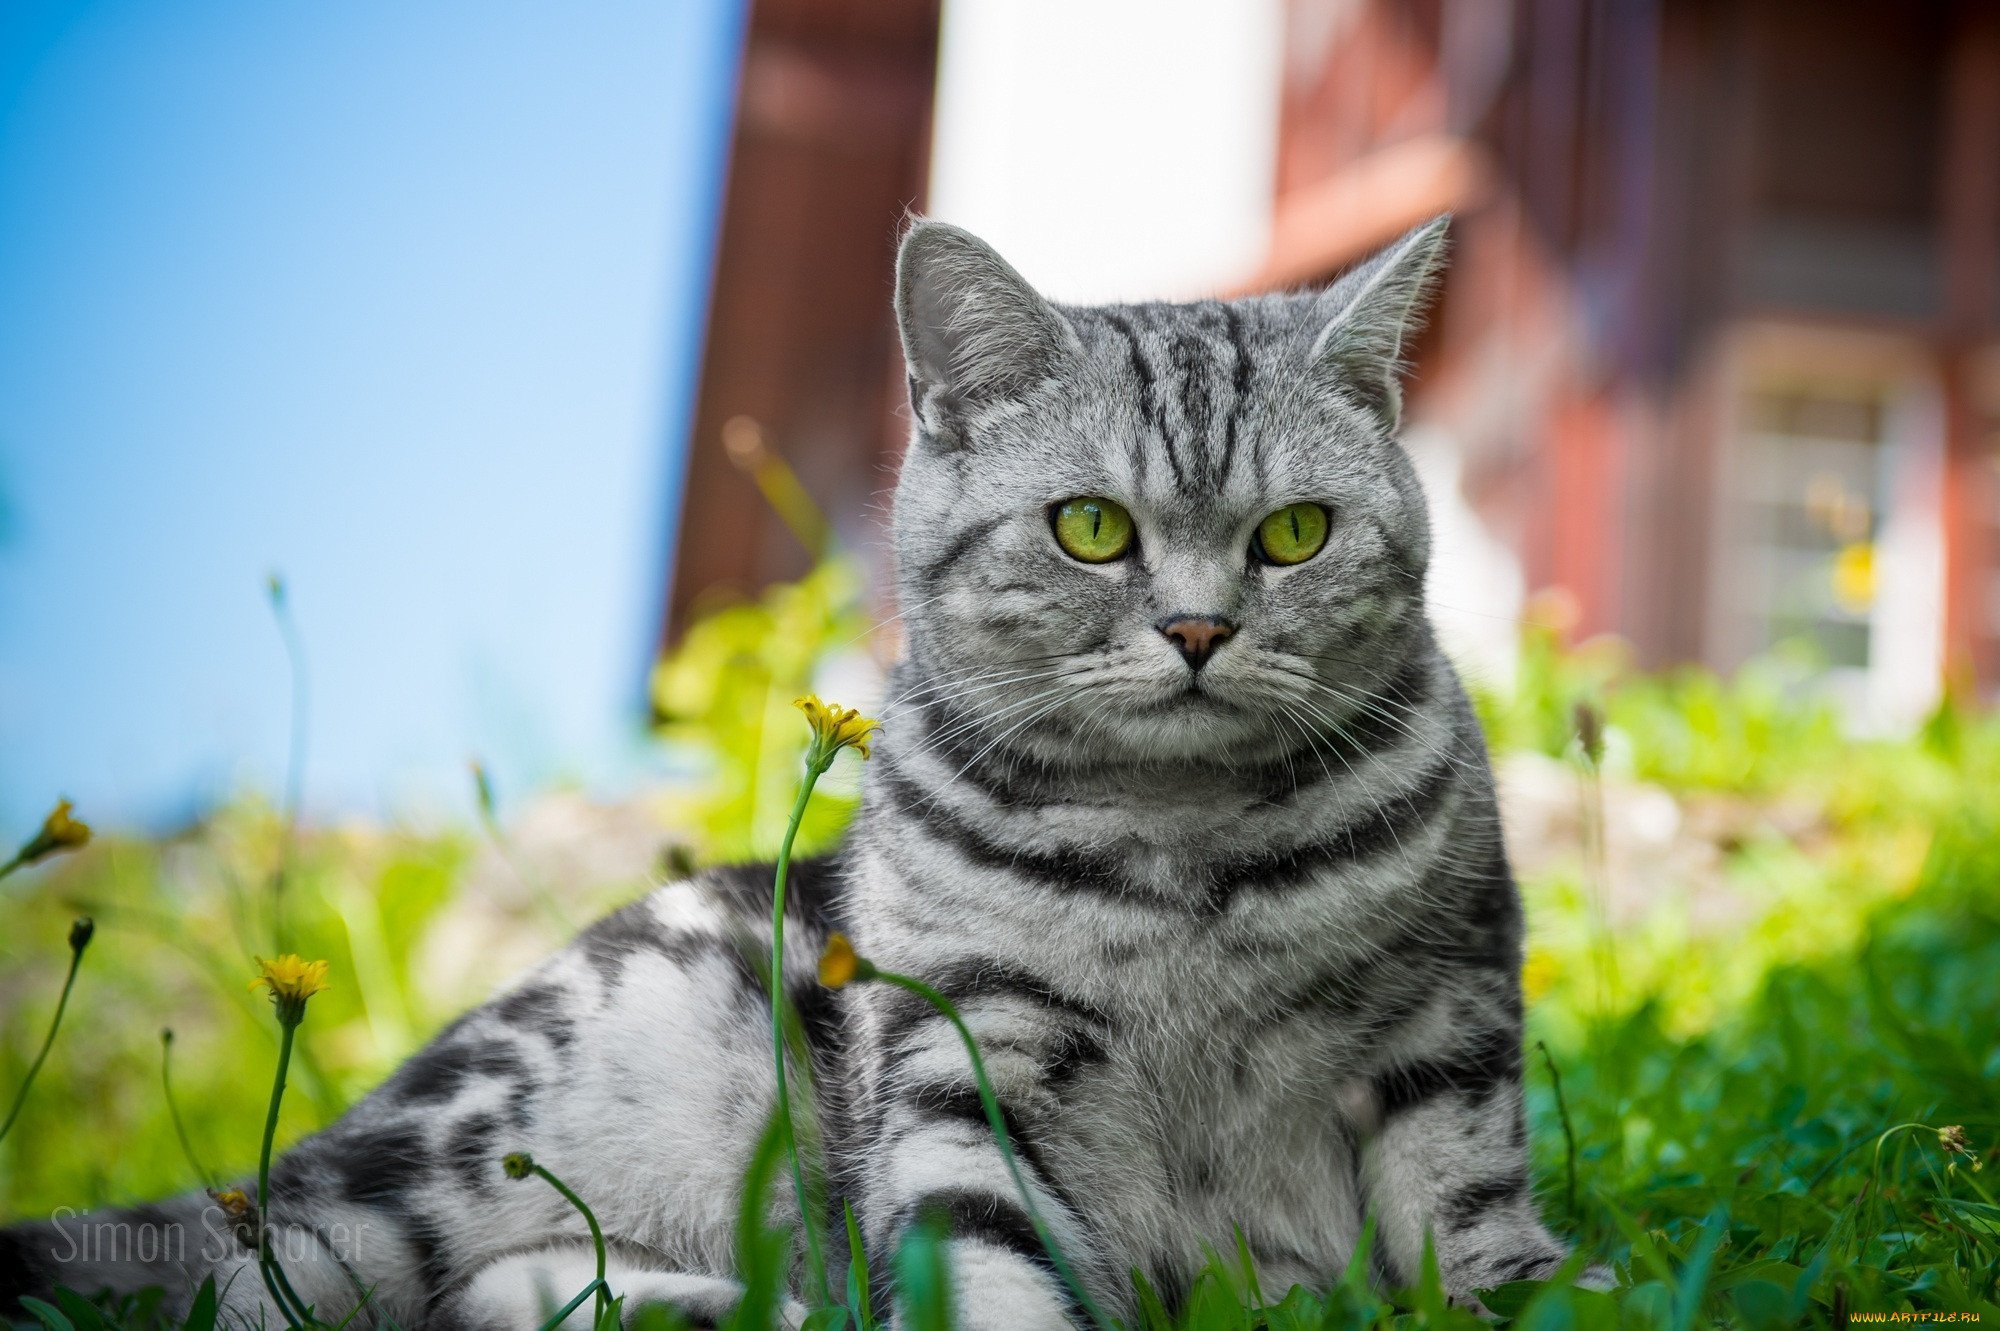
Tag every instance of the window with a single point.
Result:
(1809, 491)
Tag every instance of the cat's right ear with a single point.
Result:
(974, 332)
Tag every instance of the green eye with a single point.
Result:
(1292, 535)
(1093, 529)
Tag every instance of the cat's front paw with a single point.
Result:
(998, 1291)
(1596, 1277)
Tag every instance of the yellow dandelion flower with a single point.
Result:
(291, 980)
(235, 1203)
(840, 965)
(59, 832)
(291, 976)
(239, 1213)
(835, 728)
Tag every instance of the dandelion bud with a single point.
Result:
(518, 1164)
(840, 965)
(80, 933)
(1590, 732)
(677, 863)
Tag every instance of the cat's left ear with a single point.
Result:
(974, 332)
(1375, 311)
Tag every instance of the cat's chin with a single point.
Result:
(1191, 726)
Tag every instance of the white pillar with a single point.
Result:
(1111, 149)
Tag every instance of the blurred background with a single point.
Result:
(443, 316)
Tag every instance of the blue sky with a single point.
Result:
(402, 300)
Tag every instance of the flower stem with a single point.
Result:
(596, 1243)
(1569, 1133)
(55, 1024)
(997, 1123)
(818, 758)
(202, 1171)
(275, 1280)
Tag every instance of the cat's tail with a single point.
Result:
(173, 1245)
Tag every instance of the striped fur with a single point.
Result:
(1241, 944)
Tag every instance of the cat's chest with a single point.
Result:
(1179, 1143)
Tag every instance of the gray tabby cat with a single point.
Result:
(1176, 797)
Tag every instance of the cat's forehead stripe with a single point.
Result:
(1190, 371)
(1239, 385)
(1150, 406)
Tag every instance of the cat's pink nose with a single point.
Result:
(1197, 636)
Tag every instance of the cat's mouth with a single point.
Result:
(1194, 697)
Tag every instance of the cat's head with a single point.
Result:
(1167, 531)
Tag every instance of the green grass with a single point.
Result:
(1734, 1084)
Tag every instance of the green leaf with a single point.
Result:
(923, 1279)
(1761, 1303)
(1550, 1310)
(1153, 1314)
(858, 1292)
(1429, 1291)
(81, 1312)
(1299, 1310)
(1649, 1305)
(204, 1310)
(760, 1249)
(1694, 1276)
(1973, 1215)
(1781, 1273)
(1509, 1299)
(1256, 1291)
(1356, 1275)
(50, 1316)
